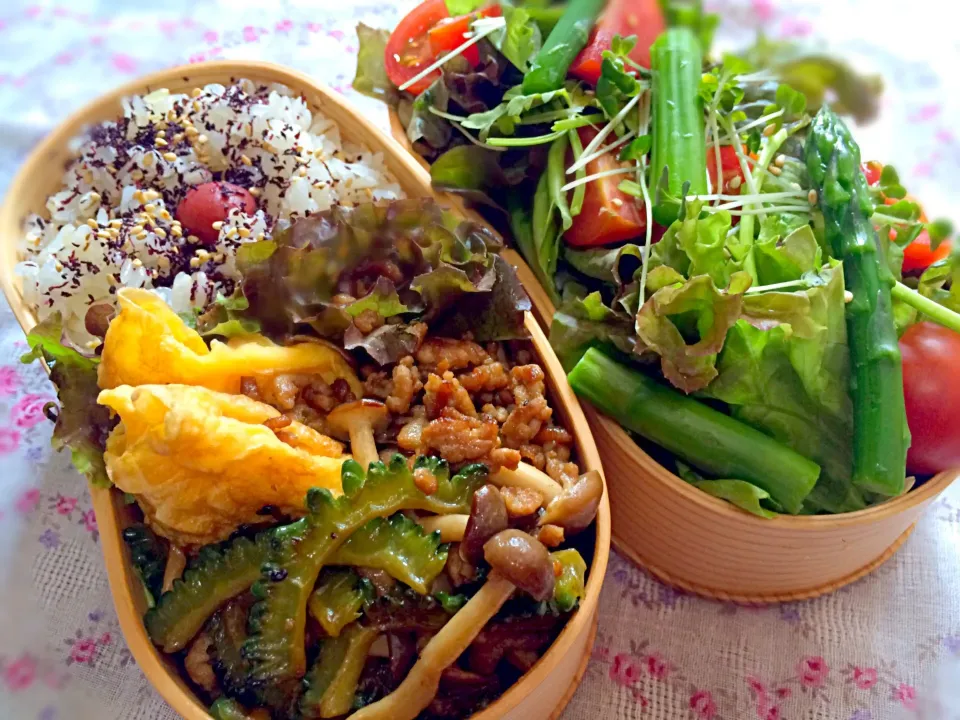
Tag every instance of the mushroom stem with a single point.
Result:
(176, 562)
(363, 446)
(527, 476)
(451, 527)
(420, 686)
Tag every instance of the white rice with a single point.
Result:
(113, 223)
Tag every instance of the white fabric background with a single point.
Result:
(870, 652)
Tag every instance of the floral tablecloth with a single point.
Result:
(879, 649)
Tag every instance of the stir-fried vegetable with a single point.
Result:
(880, 434)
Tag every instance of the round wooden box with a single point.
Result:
(546, 689)
(704, 545)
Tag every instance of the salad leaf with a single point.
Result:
(615, 85)
(697, 245)
(583, 321)
(696, 310)
(520, 40)
(387, 343)
(743, 494)
(786, 249)
(941, 281)
(82, 425)
(383, 299)
(423, 125)
(463, 7)
(406, 257)
(508, 113)
(795, 389)
(611, 265)
(225, 318)
(479, 88)
(492, 315)
(371, 76)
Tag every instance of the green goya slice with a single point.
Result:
(276, 647)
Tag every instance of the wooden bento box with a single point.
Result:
(704, 545)
(546, 688)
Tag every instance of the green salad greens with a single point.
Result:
(704, 227)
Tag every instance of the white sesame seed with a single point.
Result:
(217, 225)
(150, 208)
(254, 191)
(775, 171)
(812, 197)
(245, 160)
(244, 232)
(780, 160)
(847, 296)
(149, 159)
(160, 142)
(160, 233)
(196, 92)
(170, 157)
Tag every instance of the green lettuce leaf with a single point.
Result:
(695, 245)
(786, 249)
(796, 389)
(617, 266)
(383, 299)
(743, 494)
(371, 76)
(520, 40)
(697, 310)
(505, 116)
(225, 317)
(82, 425)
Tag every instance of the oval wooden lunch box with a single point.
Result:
(704, 545)
(547, 688)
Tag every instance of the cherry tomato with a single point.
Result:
(211, 202)
(608, 214)
(642, 18)
(872, 171)
(917, 256)
(730, 166)
(448, 34)
(931, 364)
(426, 32)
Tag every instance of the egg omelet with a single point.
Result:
(148, 344)
(201, 462)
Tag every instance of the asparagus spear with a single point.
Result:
(568, 37)
(880, 433)
(697, 434)
(678, 143)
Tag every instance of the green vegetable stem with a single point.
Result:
(678, 148)
(880, 433)
(568, 37)
(697, 434)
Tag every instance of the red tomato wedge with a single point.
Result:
(917, 256)
(608, 214)
(426, 32)
(871, 171)
(642, 18)
(448, 34)
(730, 168)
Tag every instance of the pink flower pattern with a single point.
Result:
(20, 674)
(9, 440)
(813, 672)
(9, 380)
(29, 411)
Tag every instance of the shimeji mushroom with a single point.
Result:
(450, 527)
(359, 421)
(576, 507)
(517, 562)
(572, 507)
(527, 476)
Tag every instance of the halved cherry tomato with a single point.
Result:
(642, 18)
(931, 363)
(211, 202)
(448, 34)
(421, 36)
(872, 171)
(730, 167)
(608, 214)
(917, 256)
